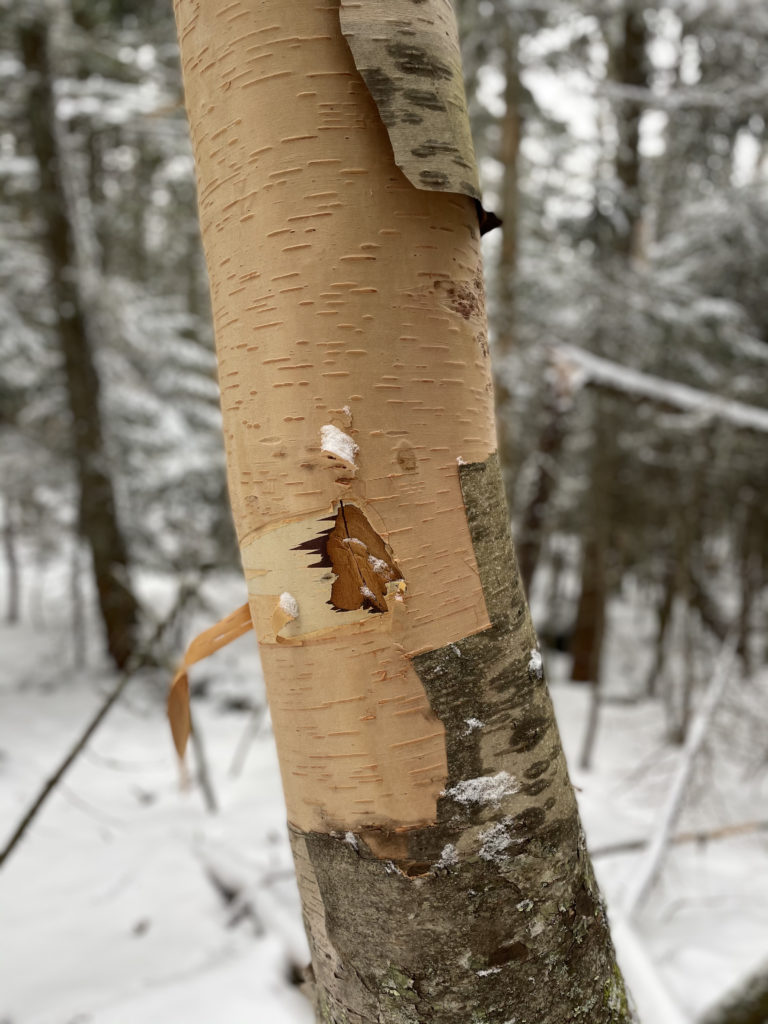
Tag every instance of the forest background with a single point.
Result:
(624, 146)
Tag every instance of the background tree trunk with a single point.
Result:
(438, 849)
(631, 70)
(98, 518)
(509, 150)
(10, 550)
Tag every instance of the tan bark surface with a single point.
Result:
(343, 298)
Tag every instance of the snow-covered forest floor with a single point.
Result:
(127, 902)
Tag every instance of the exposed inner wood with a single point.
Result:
(363, 566)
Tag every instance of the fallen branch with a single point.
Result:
(142, 660)
(256, 720)
(653, 859)
(203, 772)
(653, 1002)
(66, 764)
(699, 836)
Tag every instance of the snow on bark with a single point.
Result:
(289, 605)
(336, 442)
(535, 665)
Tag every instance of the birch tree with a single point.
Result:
(440, 859)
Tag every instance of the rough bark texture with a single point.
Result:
(98, 519)
(491, 914)
(438, 849)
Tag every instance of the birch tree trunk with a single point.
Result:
(440, 858)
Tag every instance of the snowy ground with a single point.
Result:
(109, 913)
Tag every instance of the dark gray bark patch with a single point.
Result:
(536, 769)
(424, 98)
(485, 677)
(491, 914)
(527, 734)
(480, 942)
(410, 59)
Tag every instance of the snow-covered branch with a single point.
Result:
(588, 368)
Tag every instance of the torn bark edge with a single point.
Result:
(487, 218)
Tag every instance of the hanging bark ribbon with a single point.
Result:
(206, 643)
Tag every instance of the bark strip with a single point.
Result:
(408, 55)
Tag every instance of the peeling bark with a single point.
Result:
(438, 849)
(408, 54)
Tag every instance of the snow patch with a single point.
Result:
(351, 839)
(535, 666)
(448, 857)
(289, 604)
(336, 442)
(472, 724)
(486, 789)
(496, 841)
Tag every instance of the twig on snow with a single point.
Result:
(653, 859)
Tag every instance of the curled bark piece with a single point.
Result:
(208, 642)
(409, 57)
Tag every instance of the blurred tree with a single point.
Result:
(98, 519)
(141, 282)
